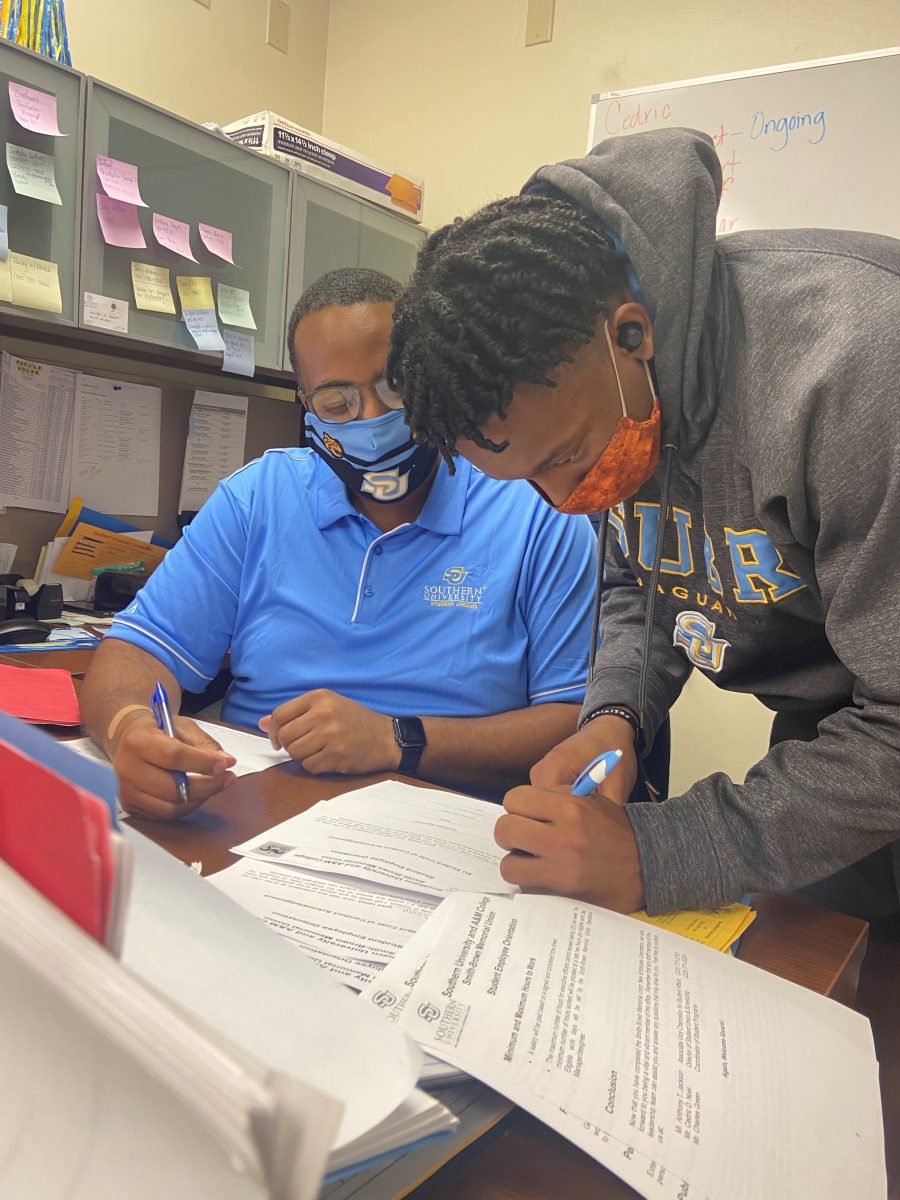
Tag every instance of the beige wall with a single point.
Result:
(450, 92)
(207, 64)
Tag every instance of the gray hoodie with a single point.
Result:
(778, 364)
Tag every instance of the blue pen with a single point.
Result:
(595, 772)
(163, 714)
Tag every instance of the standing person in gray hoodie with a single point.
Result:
(594, 337)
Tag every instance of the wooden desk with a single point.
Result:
(520, 1159)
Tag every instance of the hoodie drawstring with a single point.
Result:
(642, 747)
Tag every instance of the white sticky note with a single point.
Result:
(34, 110)
(203, 328)
(105, 312)
(119, 179)
(234, 306)
(238, 357)
(4, 234)
(32, 173)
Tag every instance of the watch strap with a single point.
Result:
(409, 733)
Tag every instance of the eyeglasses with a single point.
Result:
(344, 402)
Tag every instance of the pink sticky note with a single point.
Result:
(34, 110)
(119, 222)
(119, 179)
(174, 235)
(217, 241)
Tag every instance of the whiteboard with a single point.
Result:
(811, 144)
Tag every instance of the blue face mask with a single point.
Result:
(376, 458)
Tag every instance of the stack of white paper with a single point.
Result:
(220, 963)
(108, 1089)
(686, 1072)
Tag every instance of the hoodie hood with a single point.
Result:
(657, 193)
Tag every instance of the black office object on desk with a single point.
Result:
(23, 631)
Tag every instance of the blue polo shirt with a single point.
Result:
(480, 606)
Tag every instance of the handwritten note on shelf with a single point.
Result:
(34, 110)
(35, 283)
(32, 173)
(173, 235)
(152, 291)
(105, 312)
(119, 180)
(203, 328)
(119, 223)
(217, 241)
(195, 291)
(234, 306)
(238, 357)
(5, 281)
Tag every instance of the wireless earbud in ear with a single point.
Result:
(630, 335)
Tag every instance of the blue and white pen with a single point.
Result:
(595, 772)
(163, 714)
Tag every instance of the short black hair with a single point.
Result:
(496, 299)
(341, 288)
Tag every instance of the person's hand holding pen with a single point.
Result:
(580, 846)
(167, 766)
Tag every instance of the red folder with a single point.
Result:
(57, 836)
(38, 694)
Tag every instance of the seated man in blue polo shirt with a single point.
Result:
(381, 614)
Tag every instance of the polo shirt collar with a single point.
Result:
(443, 511)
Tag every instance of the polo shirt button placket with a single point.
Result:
(369, 591)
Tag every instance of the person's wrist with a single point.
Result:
(608, 733)
(129, 721)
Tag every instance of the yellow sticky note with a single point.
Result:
(152, 290)
(35, 283)
(718, 928)
(195, 291)
(5, 281)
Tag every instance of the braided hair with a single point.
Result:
(496, 299)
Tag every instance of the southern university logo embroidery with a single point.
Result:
(696, 637)
(385, 485)
(453, 591)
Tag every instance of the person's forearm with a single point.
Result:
(492, 754)
(121, 675)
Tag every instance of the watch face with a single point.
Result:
(410, 731)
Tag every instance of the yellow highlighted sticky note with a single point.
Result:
(404, 193)
(195, 291)
(90, 546)
(5, 281)
(152, 290)
(35, 283)
(718, 928)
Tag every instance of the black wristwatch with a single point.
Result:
(410, 735)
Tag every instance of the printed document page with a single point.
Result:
(36, 403)
(415, 839)
(351, 930)
(215, 445)
(634, 1042)
(115, 460)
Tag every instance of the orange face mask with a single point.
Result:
(629, 460)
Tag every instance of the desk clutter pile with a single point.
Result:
(682, 1069)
